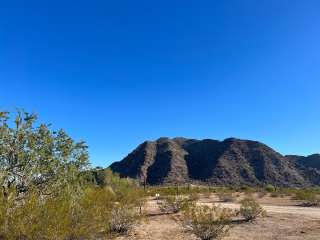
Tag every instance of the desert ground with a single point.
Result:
(285, 220)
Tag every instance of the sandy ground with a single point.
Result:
(284, 221)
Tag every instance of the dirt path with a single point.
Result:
(161, 227)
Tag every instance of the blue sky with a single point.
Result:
(116, 73)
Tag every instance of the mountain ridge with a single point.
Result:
(232, 161)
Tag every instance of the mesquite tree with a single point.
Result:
(33, 157)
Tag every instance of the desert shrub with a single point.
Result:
(250, 209)
(51, 218)
(270, 188)
(122, 219)
(288, 191)
(126, 191)
(95, 208)
(165, 191)
(93, 214)
(36, 219)
(208, 223)
(127, 203)
(96, 176)
(174, 204)
(309, 198)
(246, 189)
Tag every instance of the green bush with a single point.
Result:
(250, 209)
(270, 188)
(246, 189)
(208, 223)
(94, 213)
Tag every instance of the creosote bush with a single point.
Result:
(122, 219)
(270, 188)
(174, 204)
(250, 209)
(208, 223)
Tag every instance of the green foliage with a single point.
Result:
(97, 212)
(309, 198)
(96, 176)
(208, 223)
(250, 209)
(45, 193)
(35, 157)
(178, 190)
(270, 188)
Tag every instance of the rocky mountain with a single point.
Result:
(229, 162)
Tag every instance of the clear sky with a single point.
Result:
(116, 73)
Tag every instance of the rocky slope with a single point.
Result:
(229, 162)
